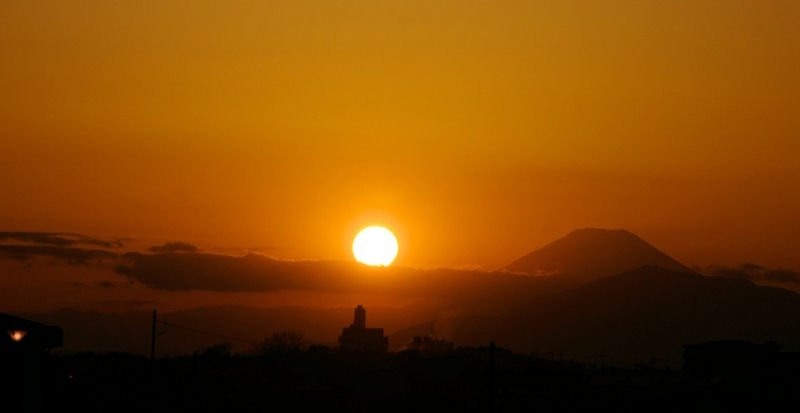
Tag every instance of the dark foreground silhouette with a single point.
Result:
(755, 377)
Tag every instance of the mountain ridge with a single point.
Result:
(631, 317)
(592, 253)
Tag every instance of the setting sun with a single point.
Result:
(375, 246)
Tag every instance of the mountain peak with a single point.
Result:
(592, 253)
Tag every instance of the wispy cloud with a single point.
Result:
(72, 255)
(754, 272)
(175, 247)
(61, 239)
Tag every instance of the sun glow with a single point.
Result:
(375, 246)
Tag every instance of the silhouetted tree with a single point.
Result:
(281, 341)
(218, 350)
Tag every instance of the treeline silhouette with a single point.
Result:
(284, 374)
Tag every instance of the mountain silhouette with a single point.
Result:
(633, 317)
(652, 312)
(593, 253)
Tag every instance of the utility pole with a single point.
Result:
(153, 338)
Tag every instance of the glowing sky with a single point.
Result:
(475, 130)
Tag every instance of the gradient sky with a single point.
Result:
(476, 130)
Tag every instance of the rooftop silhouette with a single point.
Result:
(360, 339)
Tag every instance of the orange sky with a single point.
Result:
(477, 131)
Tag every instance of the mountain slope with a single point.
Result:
(591, 253)
(649, 312)
(654, 312)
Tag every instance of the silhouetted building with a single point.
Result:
(729, 357)
(428, 344)
(359, 338)
(23, 346)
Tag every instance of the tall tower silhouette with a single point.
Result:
(360, 319)
(359, 338)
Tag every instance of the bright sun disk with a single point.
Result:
(375, 246)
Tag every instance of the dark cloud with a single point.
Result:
(59, 245)
(753, 272)
(751, 266)
(113, 284)
(730, 272)
(71, 255)
(196, 271)
(61, 239)
(123, 304)
(781, 276)
(102, 284)
(175, 247)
